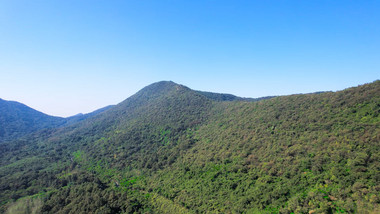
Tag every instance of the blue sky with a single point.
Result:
(71, 56)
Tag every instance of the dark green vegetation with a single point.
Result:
(169, 149)
(18, 120)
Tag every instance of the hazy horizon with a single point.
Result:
(68, 57)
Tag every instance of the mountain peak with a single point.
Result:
(162, 85)
(159, 88)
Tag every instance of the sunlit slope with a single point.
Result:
(288, 154)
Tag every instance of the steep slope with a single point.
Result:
(169, 149)
(17, 120)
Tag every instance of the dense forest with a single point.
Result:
(18, 120)
(170, 149)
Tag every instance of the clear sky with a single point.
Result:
(70, 56)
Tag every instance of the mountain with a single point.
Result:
(18, 120)
(170, 149)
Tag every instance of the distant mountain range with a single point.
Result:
(171, 149)
(18, 120)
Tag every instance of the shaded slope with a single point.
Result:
(17, 120)
(137, 128)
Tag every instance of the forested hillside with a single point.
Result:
(169, 149)
(18, 120)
